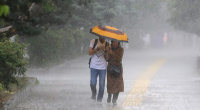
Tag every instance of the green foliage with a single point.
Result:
(1, 88)
(52, 27)
(12, 62)
(20, 17)
(22, 82)
(1, 95)
(4, 10)
(48, 6)
(44, 49)
(63, 38)
(147, 6)
(37, 82)
(72, 43)
(185, 15)
(53, 47)
(95, 13)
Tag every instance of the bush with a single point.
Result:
(6, 94)
(55, 46)
(1, 102)
(44, 50)
(12, 62)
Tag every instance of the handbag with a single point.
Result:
(114, 70)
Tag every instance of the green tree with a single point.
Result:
(19, 17)
(32, 17)
(52, 27)
(36, 22)
(95, 13)
(64, 39)
(52, 47)
(185, 15)
(12, 62)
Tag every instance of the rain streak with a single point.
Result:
(99, 55)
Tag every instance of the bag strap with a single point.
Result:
(95, 43)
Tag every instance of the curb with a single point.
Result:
(19, 96)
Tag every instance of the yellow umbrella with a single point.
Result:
(109, 32)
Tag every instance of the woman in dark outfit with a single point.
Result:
(114, 84)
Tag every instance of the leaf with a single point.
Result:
(1, 10)
(4, 10)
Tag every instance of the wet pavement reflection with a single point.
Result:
(153, 80)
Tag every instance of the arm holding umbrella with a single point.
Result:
(91, 51)
(108, 53)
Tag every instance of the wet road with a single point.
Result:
(154, 80)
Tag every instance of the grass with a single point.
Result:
(6, 94)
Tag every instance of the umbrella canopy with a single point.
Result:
(109, 32)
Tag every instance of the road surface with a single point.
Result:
(153, 80)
